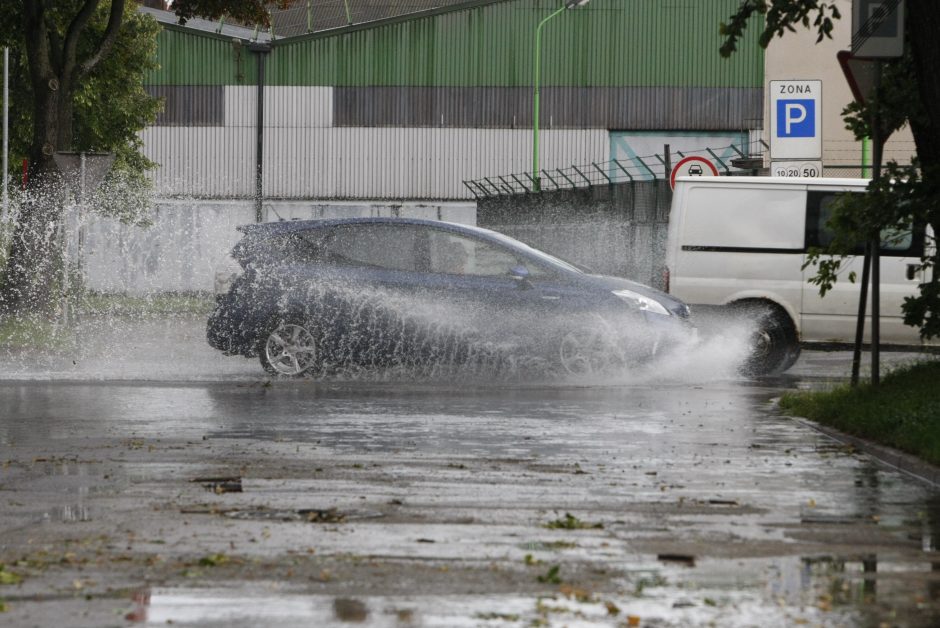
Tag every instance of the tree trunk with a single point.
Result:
(54, 69)
(31, 280)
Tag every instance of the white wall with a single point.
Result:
(305, 156)
(189, 240)
(798, 56)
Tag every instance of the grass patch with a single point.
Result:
(157, 304)
(902, 413)
(29, 333)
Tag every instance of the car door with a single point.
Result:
(361, 288)
(833, 317)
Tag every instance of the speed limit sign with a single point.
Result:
(793, 169)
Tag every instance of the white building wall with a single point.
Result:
(203, 161)
(305, 156)
(797, 56)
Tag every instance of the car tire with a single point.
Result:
(288, 348)
(774, 345)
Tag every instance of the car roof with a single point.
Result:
(283, 227)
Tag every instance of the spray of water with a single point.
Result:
(385, 336)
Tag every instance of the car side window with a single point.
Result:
(456, 254)
(894, 242)
(391, 247)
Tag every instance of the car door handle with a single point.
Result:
(912, 271)
(551, 296)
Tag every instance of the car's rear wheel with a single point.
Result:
(773, 343)
(288, 349)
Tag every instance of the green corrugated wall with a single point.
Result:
(195, 58)
(607, 43)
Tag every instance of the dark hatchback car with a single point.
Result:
(322, 294)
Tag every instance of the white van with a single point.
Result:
(740, 243)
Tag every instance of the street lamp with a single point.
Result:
(569, 4)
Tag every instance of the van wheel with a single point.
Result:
(774, 346)
(288, 349)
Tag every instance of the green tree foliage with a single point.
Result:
(908, 195)
(247, 11)
(110, 107)
(78, 68)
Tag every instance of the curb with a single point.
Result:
(886, 456)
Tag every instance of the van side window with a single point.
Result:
(894, 242)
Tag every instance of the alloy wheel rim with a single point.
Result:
(290, 349)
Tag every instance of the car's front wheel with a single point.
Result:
(590, 349)
(288, 349)
(773, 343)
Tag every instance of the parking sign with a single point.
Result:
(795, 120)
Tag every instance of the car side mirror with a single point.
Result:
(520, 274)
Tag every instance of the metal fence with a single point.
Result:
(627, 170)
(615, 227)
(847, 171)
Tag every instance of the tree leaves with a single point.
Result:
(906, 195)
(780, 17)
(247, 11)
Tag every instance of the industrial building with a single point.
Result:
(407, 107)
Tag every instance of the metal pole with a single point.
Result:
(876, 156)
(535, 98)
(260, 50)
(865, 142)
(860, 323)
(79, 261)
(6, 130)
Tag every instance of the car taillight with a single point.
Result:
(666, 279)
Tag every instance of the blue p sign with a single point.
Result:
(796, 118)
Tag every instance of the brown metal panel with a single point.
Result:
(189, 105)
(648, 108)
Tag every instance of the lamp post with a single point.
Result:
(569, 4)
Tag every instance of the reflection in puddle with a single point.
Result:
(69, 513)
(350, 610)
(201, 606)
(658, 604)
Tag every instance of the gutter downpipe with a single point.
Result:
(260, 50)
(6, 133)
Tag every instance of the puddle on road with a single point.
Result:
(781, 592)
(568, 608)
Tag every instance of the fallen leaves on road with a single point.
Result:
(570, 522)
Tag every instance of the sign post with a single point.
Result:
(877, 34)
(796, 128)
(692, 166)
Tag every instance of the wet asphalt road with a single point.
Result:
(167, 484)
